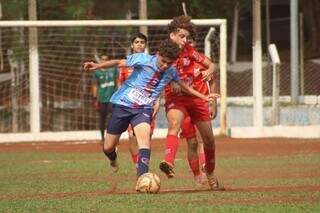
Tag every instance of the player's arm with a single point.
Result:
(208, 73)
(193, 92)
(205, 61)
(94, 93)
(176, 89)
(156, 107)
(213, 103)
(94, 90)
(90, 66)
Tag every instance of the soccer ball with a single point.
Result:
(148, 183)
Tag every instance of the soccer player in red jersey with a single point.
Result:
(195, 152)
(177, 106)
(138, 45)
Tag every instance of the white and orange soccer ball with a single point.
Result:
(148, 183)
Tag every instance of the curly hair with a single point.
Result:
(169, 50)
(181, 22)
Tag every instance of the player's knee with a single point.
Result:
(209, 143)
(107, 148)
(144, 146)
(193, 145)
(208, 138)
(174, 125)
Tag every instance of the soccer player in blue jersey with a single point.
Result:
(133, 101)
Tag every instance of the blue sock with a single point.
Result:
(143, 162)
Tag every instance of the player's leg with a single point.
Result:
(188, 132)
(206, 132)
(193, 159)
(153, 125)
(175, 118)
(192, 155)
(141, 127)
(102, 119)
(133, 146)
(106, 114)
(118, 123)
(109, 149)
(199, 113)
(201, 154)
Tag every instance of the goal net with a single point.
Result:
(43, 88)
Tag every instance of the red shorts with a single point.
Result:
(188, 129)
(196, 108)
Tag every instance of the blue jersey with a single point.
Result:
(145, 84)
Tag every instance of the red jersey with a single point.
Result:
(189, 67)
(124, 73)
(199, 84)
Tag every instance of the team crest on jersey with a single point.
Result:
(186, 61)
(196, 55)
(196, 72)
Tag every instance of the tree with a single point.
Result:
(195, 8)
(311, 13)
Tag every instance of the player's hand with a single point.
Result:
(212, 96)
(89, 66)
(213, 109)
(207, 75)
(156, 108)
(176, 89)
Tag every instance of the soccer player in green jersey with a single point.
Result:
(104, 85)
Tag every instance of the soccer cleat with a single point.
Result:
(213, 182)
(167, 168)
(114, 165)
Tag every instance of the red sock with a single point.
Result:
(135, 158)
(172, 142)
(210, 159)
(194, 165)
(202, 158)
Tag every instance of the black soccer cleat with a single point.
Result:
(167, 168)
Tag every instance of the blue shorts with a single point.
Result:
(122, 116)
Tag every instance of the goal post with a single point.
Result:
(53, 99)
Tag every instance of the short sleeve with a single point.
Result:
(175, 75)
(94, 77)
(195, 55)
(137, 59)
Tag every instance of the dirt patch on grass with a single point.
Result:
(225, 147)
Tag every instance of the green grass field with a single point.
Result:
(59, 177)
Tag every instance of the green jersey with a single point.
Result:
(106, 82)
